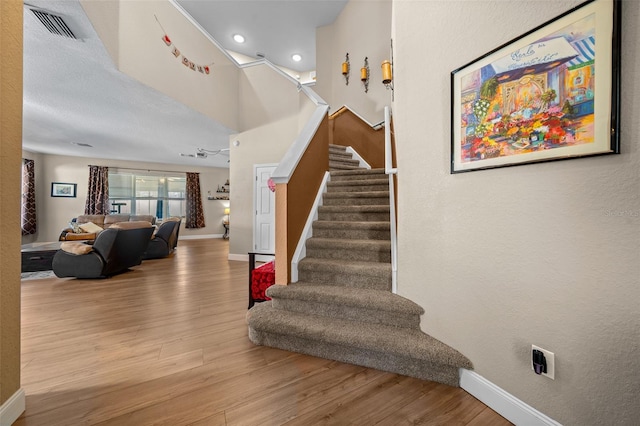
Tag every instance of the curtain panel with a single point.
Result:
(28, 222)
(195, 213)
(97, 191)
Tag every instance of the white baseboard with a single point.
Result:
(12, 408)
(239, 257)
(502, 402)
(199, 237)
(245, 257)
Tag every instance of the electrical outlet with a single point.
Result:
(549, 356)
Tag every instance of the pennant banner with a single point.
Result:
(203, 69)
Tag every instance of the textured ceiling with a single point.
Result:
(73, 92)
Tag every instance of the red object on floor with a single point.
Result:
(262, 278)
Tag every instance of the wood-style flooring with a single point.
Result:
(166, 344)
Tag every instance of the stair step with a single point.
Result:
(352, 230)
(376, 198)
(360, 185)
(358, 250)
(340, 155)
(346, 273)
(354, 214)
(398, 350)
(372, 306)
(340, 166)
(356, 174)
(337, 147)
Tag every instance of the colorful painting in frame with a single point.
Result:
(550, 94)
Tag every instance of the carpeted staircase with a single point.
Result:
(342, 307)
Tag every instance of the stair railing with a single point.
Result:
(391, 172)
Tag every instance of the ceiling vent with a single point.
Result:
(54, 23)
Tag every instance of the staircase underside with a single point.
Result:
(342, 307)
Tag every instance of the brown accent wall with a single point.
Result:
(10, 153)
(350, 130)
(299, 195)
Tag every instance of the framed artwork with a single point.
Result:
(59, 189)
(550, 94)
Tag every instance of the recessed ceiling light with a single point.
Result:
(238, 38)
(296, 57)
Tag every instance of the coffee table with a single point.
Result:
(38, 256)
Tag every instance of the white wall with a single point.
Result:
(275, 112)
(54, 213)
(545, 254)
(263, 145)
(143, 55)
(363, 29)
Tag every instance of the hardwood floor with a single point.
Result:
(166, 343)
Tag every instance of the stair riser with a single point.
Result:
(351, 313)
(352, 234)
(379, 360)
(358, 177)
(346, 280)
(350, 254)
(346, 161)
(340, 156)
(358, 188)
(355, 201)
(355, 217)
(337, 166)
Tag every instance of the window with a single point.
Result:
(154, 193)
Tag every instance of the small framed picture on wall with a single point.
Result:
(59, 189)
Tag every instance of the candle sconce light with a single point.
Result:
(387, 74)
(346, 67)
(364, 74)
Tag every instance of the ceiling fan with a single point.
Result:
(204, 153)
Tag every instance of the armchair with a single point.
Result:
(113, 251)
(165, 239)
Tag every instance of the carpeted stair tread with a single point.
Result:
(340, 166)
(337, 147)
(340, 155)
(333, 224)
(383, 208)
(359, 173)
(364, 194)
(379, 300)
(339, 243)
(374, 269)
(353, 304)
(359, 182)
(407, 343)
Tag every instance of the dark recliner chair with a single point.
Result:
(113, 251)
(164, 241)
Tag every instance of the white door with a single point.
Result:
(264, 229)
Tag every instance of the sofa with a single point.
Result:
(88, 226)
(164, 240)
(114, 250)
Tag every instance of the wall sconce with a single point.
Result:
(346, 67)
(387, 74)
(364, 75)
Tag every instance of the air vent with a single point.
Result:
(55, 24)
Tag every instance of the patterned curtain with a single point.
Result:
(28, 211)
(98, 191)
(195, 214)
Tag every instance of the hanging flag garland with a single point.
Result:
(204, 69)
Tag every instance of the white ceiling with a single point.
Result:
(74, 94)
(275, 28)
